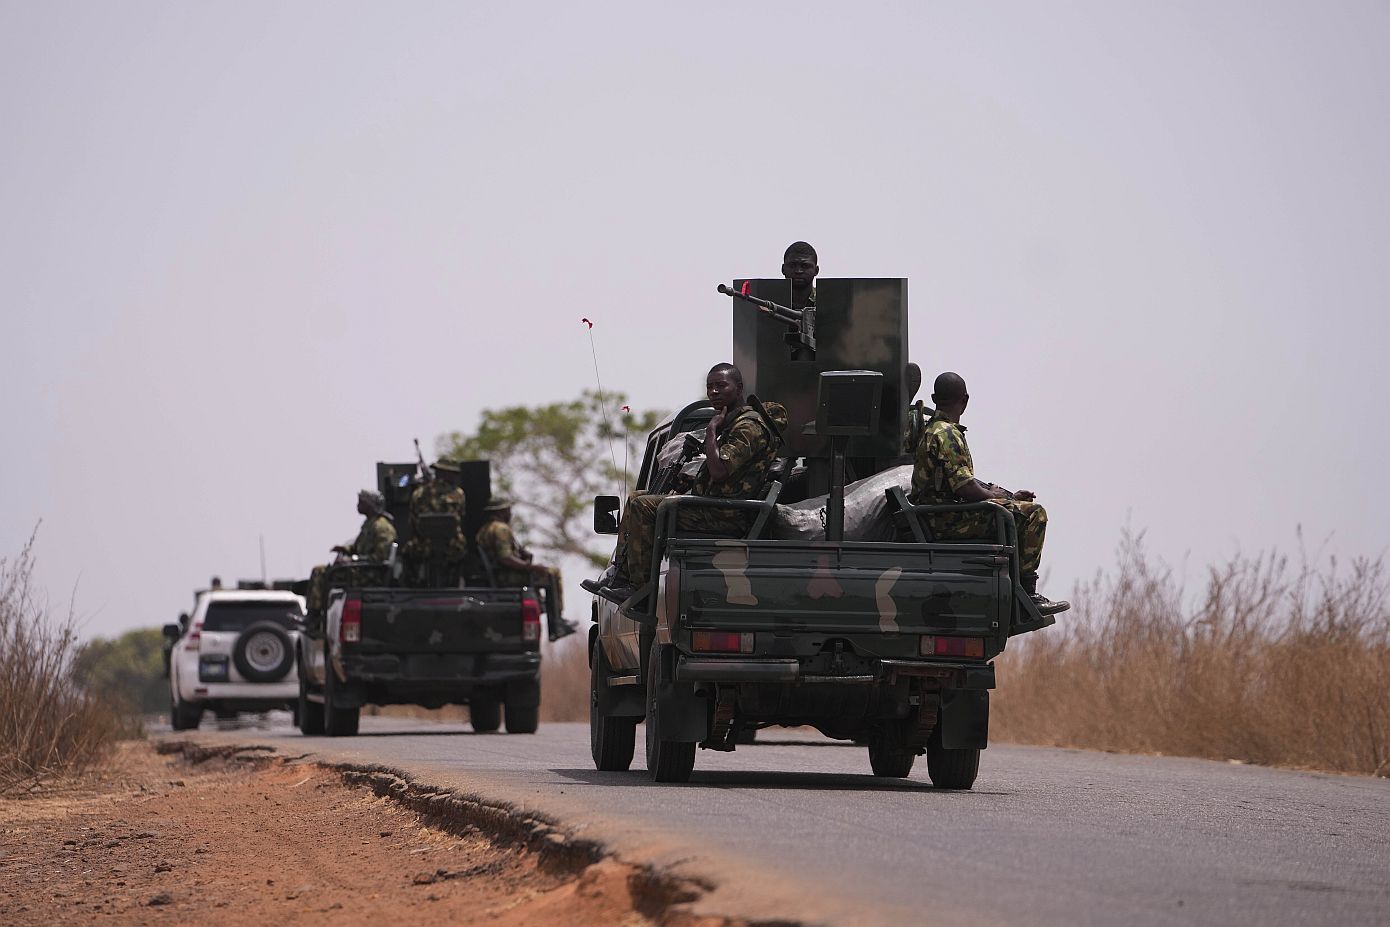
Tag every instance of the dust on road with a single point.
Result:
(247, 839)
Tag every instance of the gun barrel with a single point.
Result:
(779, 312)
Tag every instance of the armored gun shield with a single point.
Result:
(861, 324)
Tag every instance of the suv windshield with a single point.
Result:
(237, 616)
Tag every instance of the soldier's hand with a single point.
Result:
(1024, 495)
(339, 549)
(716, 422)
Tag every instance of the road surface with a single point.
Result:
(797, 829)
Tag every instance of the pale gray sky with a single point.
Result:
(248, 249)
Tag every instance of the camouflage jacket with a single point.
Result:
(375, 539)
(942, 464)
(749, 447)
(495, 539)
(437, 497)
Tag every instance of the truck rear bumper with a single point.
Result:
(735, 670)
(444, 669)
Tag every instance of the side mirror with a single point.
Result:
(172, 632)
(606, 514)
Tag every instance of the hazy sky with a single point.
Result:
(248, 249)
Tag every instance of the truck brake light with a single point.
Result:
(943, 646)
(194, 636)
(721, 641)
(530, 620)
(350, 628)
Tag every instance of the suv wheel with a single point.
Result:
(263, 653)
(183, 716)
(611, 740)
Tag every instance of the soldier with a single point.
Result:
(439, 495)
(943, 473)
(513, 565)
(800, 268)
(373, 542)
(739, 449)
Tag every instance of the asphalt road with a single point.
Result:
(799, 829)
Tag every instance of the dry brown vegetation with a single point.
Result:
(1275, 662)
(48, 724)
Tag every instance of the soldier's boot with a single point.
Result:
(1045, 606)
(594, 585)
(559, 627)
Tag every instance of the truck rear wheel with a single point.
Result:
(337, 720)
(310, 712)
(522, 719)
(888, 757)
(484, 712)
(182, 716)
(612, 741)
(667, 760)
(951, 769)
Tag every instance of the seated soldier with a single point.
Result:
(739, 449)
(943, 473)
(373, 542)
(438, 495)
(513, 565)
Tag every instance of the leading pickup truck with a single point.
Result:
(885, 640)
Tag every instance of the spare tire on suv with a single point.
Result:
(263, 653)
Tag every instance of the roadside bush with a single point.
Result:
(127, 671)
(49, 724)
(1275, 663)
(565, 679)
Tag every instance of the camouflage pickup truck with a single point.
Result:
(883, 637)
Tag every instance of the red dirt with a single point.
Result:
(159, 841)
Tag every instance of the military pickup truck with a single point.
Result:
(381, 642)
(885, 639)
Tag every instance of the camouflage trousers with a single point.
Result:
(550, 582)
(1030, 521)
(317, 599)
(637, 531)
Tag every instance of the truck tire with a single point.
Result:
(951, 769)
(310, 712)
(337, 720)
(888, 757)
(522, 719)
(667, 760)
(263, 653)
(612, 741)
(484, 712)
(183, 716)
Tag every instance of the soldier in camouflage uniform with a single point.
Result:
(800, 268)
(943, 473)
(513, 565)
(440, 495)
(739, 449)
(373, 542)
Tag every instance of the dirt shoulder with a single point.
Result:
(246, 837)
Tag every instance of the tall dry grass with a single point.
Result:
(1274, 662)
(48, 724)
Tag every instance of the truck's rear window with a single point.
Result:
(237, 616)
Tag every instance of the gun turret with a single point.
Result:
(803, 319)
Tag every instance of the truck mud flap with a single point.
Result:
(524, 693)
(685, 716)
(964, 719)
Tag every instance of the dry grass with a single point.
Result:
(1274, 663)
(48, 724)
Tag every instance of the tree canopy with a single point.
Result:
(551, 460)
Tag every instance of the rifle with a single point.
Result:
(425, 474)
(803, 319)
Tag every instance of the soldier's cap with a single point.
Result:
(497, 504)
(446, 463)
(374, 500)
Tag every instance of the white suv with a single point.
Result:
(237, 654)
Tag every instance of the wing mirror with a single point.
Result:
(172, 632)
(606, 514)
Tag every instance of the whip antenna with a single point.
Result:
(603, 407)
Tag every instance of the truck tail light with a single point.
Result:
(191, 641)
(942, 646)
(721, 641)
(350, 629)
(530, 620)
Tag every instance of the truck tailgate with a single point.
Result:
(839, 588)
(442, 621)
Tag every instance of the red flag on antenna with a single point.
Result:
(587, 322)
(627, 408)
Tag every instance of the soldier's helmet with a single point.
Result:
(374, 501)
(497, 504)
(447, 464)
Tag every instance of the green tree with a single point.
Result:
(127, 671)
(551, 461)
